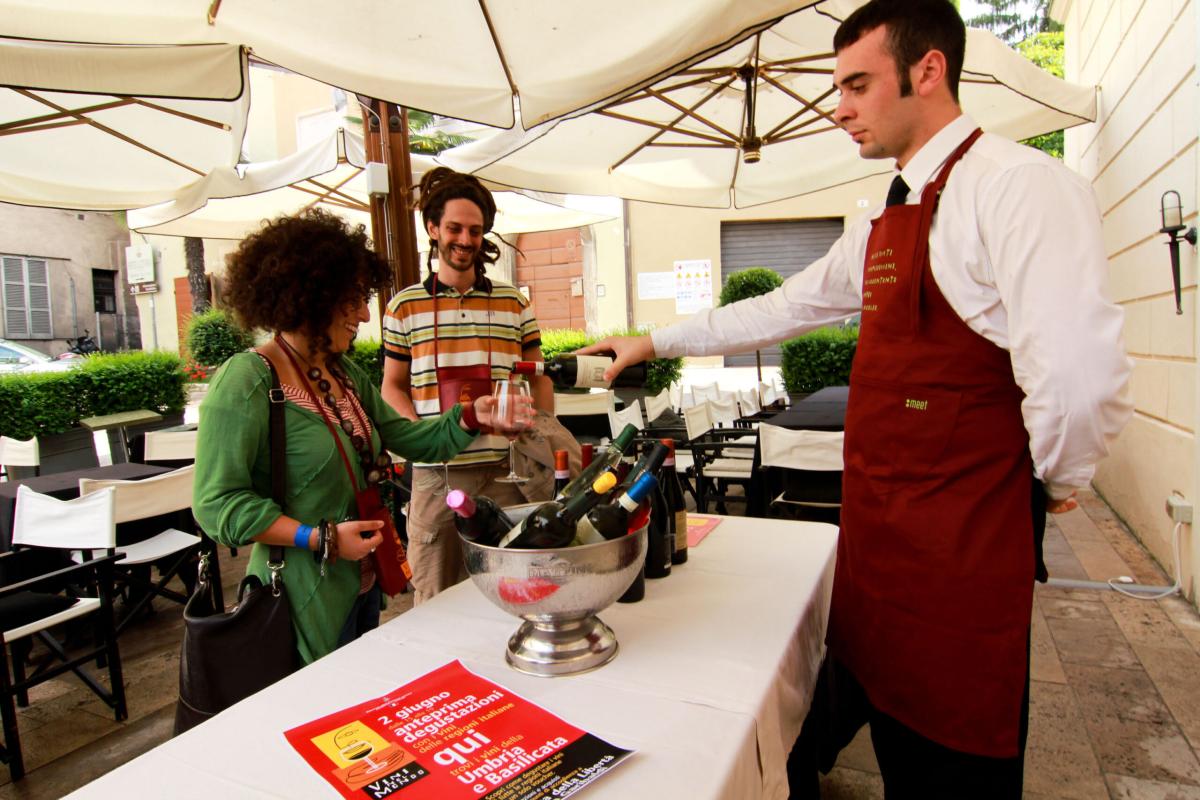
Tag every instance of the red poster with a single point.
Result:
(452, 734)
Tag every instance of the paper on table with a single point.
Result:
(699, 526)
(452, 734)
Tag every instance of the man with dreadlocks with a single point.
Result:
(446, 339)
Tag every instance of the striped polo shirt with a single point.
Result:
(466, 322)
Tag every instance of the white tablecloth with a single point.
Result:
(710, 686)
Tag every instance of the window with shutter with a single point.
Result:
(27, 313)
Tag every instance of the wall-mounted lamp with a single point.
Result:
(1172, 225)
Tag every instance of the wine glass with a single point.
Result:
(512, 414)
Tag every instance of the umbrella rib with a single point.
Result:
(46, 127)
(487, 17)
(116, 134)
(713, 93)
(663, 127)
(805, 134)
(805, 106)
(212, 123)
(29, 122)
(691, 113)
(707, 77)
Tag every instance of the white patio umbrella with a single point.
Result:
(461, 58)
(686, 139)
(231, 203)
(108, 127)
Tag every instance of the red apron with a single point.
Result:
(933, 587)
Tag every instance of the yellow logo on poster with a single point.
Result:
(350, 743)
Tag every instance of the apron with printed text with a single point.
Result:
(933, 587)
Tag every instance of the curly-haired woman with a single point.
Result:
(306, 280)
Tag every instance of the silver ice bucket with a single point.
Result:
(557, 593)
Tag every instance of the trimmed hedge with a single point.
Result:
(660, 372)
(213, 336)
(749, 282)
(819, 359)
(46, 403)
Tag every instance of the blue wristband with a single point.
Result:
(302, 534)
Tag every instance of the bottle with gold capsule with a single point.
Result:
(553, 524)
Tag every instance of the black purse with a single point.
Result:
(229, 655)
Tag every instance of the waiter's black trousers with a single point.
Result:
(912, 765)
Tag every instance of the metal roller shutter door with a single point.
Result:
(786, 246)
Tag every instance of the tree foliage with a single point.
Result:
(1015, 20)
(1046, 50)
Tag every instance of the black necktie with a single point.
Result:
(898, 193)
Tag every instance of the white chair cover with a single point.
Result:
(809, 450)
(657, 405)
(723, 412)
(85, 523)
(19, 453)
(697, 420)
(629, 415)
(573, 405)
(748, 402)
(170, 445)
(161, 494)
(701, 393)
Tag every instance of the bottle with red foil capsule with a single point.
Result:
(668, 479)
(586, 453)
(606, 458)
(571, 371)
(562, 470)
(478, 519)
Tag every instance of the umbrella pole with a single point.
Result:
(392, 225)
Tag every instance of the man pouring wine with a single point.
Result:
(990, 377)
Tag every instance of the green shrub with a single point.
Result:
(41, 404)
(660, 372)
(367, 354)
(750, 282)
(819, 359)
(563, 340)
(213, 336)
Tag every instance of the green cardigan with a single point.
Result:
(232, 496)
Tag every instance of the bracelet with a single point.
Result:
(469, 418)
(303, 533)
(333, 542)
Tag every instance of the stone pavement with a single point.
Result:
(1115, 682)
(1114, 709)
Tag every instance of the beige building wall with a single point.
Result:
(605, 289)
(1142, 54)
(660, 235)
(73, 243)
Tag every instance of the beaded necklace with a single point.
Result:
(373, 466)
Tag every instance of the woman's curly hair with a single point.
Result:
(295, 272)
(439, 186)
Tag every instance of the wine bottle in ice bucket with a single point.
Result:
(553, 524)
(478, 519)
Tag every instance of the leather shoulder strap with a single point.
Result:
(278, 444)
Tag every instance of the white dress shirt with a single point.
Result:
(1016, 250)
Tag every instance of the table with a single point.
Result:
(710, 686)
(824, 410)
(64, 486)
(120, 421)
